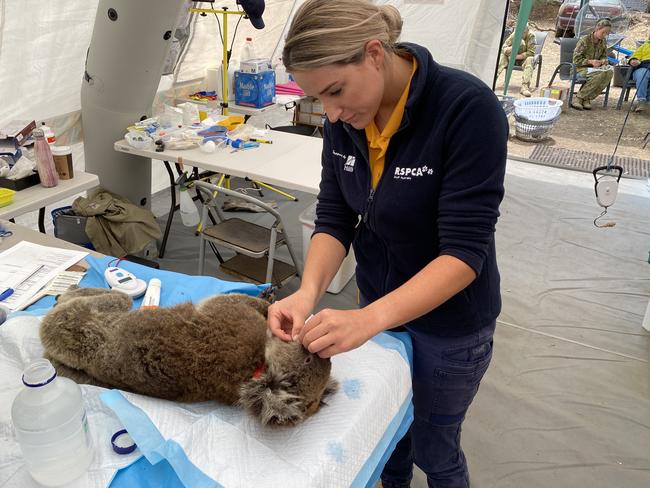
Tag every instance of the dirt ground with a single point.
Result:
(596, 130)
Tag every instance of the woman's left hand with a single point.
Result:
(331, 332)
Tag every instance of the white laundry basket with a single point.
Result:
(535, 118)
(539, 109)
(345, 272)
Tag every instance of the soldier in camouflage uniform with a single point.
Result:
(591, 52)
(525, 56)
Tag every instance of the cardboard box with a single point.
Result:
(556, 93)
(254, 90)
(18, 130)
(253, 66)
(349, 264)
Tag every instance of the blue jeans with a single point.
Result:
(446, 376)
(642, 79)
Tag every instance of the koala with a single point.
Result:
(218, 350)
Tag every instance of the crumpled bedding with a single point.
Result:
(208, 444)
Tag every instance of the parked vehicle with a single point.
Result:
(568, 12)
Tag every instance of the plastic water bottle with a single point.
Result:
(249, 50)
(189, 212)
(49, 133)
(44, 160)
(51, 426)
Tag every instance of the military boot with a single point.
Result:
(525, 90)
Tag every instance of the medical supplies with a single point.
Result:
(257, 65)
(152, 296)
(138, 139)
(51, 426)
(121, 280)
(254, 90)
(190, 114)
(249, 51)
(49, 133)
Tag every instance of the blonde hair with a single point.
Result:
(325, 32)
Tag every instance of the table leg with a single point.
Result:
(41, 220)
(172, 208)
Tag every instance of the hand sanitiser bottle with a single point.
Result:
(51, 426)
(249, 51)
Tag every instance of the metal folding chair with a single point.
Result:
(568, 71)
(255, 245)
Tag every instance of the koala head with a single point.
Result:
(292, 387)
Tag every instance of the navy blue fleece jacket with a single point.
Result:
(439, 194)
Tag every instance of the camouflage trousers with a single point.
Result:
(527, 66)
(596, 83)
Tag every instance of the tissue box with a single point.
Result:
(21, 183)
(254, 90)
(257, 65)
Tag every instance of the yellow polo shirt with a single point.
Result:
(378, 142)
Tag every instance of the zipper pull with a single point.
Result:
(370, 197)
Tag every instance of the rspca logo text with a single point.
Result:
(349, 164)
(410, 173)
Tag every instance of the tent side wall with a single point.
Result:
(44, 45)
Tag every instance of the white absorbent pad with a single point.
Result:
(207, 444)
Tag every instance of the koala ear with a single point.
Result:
(271, 401)
(331, 388)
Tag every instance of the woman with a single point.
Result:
(591, 52)
(413, 165)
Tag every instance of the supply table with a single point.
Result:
(37, 197)
(292, 161)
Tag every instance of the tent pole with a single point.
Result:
(524, 12)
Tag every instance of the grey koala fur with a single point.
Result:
(186, 353)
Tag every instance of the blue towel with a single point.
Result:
(176, 287)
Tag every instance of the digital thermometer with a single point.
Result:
(121, 280)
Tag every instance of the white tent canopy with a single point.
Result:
(43, 48)
(43, 45)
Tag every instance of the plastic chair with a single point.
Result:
(568, 71)
(628, 84)
(540, 39)
(254, 244)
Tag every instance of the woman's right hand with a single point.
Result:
(286, 317)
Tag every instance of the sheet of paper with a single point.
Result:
(22, 259)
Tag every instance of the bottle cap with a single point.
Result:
(38, 133)
(122, 442)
